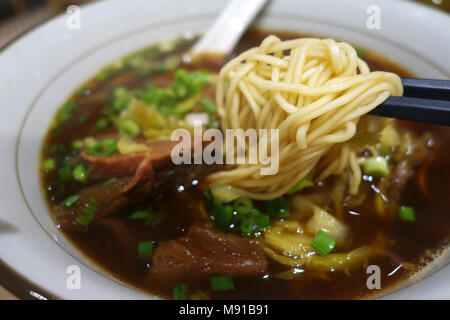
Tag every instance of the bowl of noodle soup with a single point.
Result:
(311, 69)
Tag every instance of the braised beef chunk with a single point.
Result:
(154, 177)
(118, 165)
(107, 195)
(405, 169)
(203, 252)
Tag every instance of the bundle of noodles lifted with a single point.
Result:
(314, 92)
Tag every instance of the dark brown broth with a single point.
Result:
(410, 241)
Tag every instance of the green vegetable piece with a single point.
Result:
(361, 52)
(49, 164)
(243, 205)
(221, 215)
(78, 144)
(208, 105)
(376, 167)
(407, 213)
(80, 173)
(221, 283)
(140, 214)
(129, 128)
(323, 243)
(101, 124)
(65, 173)
(70, 201)
(201, 77)
(104, 148)
(145, 250)
(88, 213)
(254, 223)
(121, 98)
(180, 291)
(66, 111)
(278, 207)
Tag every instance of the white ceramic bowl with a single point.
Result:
(41, 69)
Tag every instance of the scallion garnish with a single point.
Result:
(103, 148)
(145, 250)
(129, 128)
(407, 213)
(65, 173)
(70, 201)
(323, 243)
(78, 144)
(101, 124)
(278, 207)
(140, 214)
(80, 173)
(243, 205)
(254, 223)
(208, 105)
(221, 283)
(65, 112)
(180, 291)
(89, 212)
(376, 167)
(49, 164)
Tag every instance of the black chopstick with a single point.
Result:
(423, 100)
(426, 88)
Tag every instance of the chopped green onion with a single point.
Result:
(70, 201)
(221, 215)
(323, 243)
(278, 207)
(376, 166)
(78, 144)
(304, 183)
(170, 63)
(140, 214)
(186, 105)
(180, 291)
(145, 250)
(89, 212)
(243, 205)
(80, 173)
(129, 128)
(384, 151)
(65, 112)
(90, 142)
(49, 164)
(201, 77)
(65, 173)
(361, 52)
(104, 148)
(101, 124)
(221, 283)
(208, 105)
(121, 98)
(407, 213)
(184, 77)
(254, 223)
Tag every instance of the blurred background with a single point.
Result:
(18, 16)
